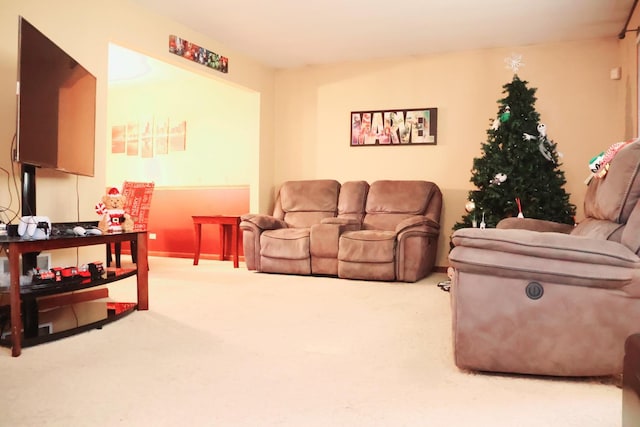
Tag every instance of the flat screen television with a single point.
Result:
(56, 105)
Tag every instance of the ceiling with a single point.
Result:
(294, 33)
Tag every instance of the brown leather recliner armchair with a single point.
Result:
(399, 235)
(280, 243)
(551, 302)
(631, 382)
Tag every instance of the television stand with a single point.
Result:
(15, 247)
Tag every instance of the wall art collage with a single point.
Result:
(193, 52)
(149, 137)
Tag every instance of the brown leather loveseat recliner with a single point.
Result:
(384, 231)
(552, 303)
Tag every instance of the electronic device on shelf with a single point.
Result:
(56, 115)
(56, 106)
(34, 227)
(78, 230)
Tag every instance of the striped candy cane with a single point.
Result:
(101, 208)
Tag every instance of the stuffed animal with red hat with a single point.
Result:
(113, 218)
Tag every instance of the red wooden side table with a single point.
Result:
(225, 223)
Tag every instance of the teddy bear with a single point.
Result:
(111, 209)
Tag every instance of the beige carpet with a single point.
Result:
(227, 347)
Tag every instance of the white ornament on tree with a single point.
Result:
(542, 137)
(514, 62)
(542, 130)
(543, 150)
(520, 214)
(498, 179)
(470, 206)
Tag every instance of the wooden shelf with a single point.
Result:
(44, 289)
(32, 341)
(27, 295)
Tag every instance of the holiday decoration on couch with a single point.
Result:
(518, 147)
(599, 165)
(113, 217)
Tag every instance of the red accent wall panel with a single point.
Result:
(170, 219)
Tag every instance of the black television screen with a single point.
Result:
(56, 106)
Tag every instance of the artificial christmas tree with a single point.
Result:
(519, 173)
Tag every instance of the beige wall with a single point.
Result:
(581, 106)
(629, 62)
(85, 33)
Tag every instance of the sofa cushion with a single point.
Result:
(285, 243)
(367, 246)
(390, 202)
(598, 229)
(304, 203)
(407, 197)
(367, 255)
(353, 196)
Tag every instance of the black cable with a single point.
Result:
(77, 216)
(623, 33)
(13, 174)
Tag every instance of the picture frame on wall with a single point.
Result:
(118, 139)
(161, 136)
(177, 135)
(132, 138)
(418, 126)
(146, 138)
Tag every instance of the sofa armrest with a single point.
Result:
(413, 222)
(325, 237)
(551, 257)
(252, 226)
(534, 225)
(262, 222)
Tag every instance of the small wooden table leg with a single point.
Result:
(222, 229)
(14, 298)
(142, 276)
(234, 244)
(118, 249)
(198, 230)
